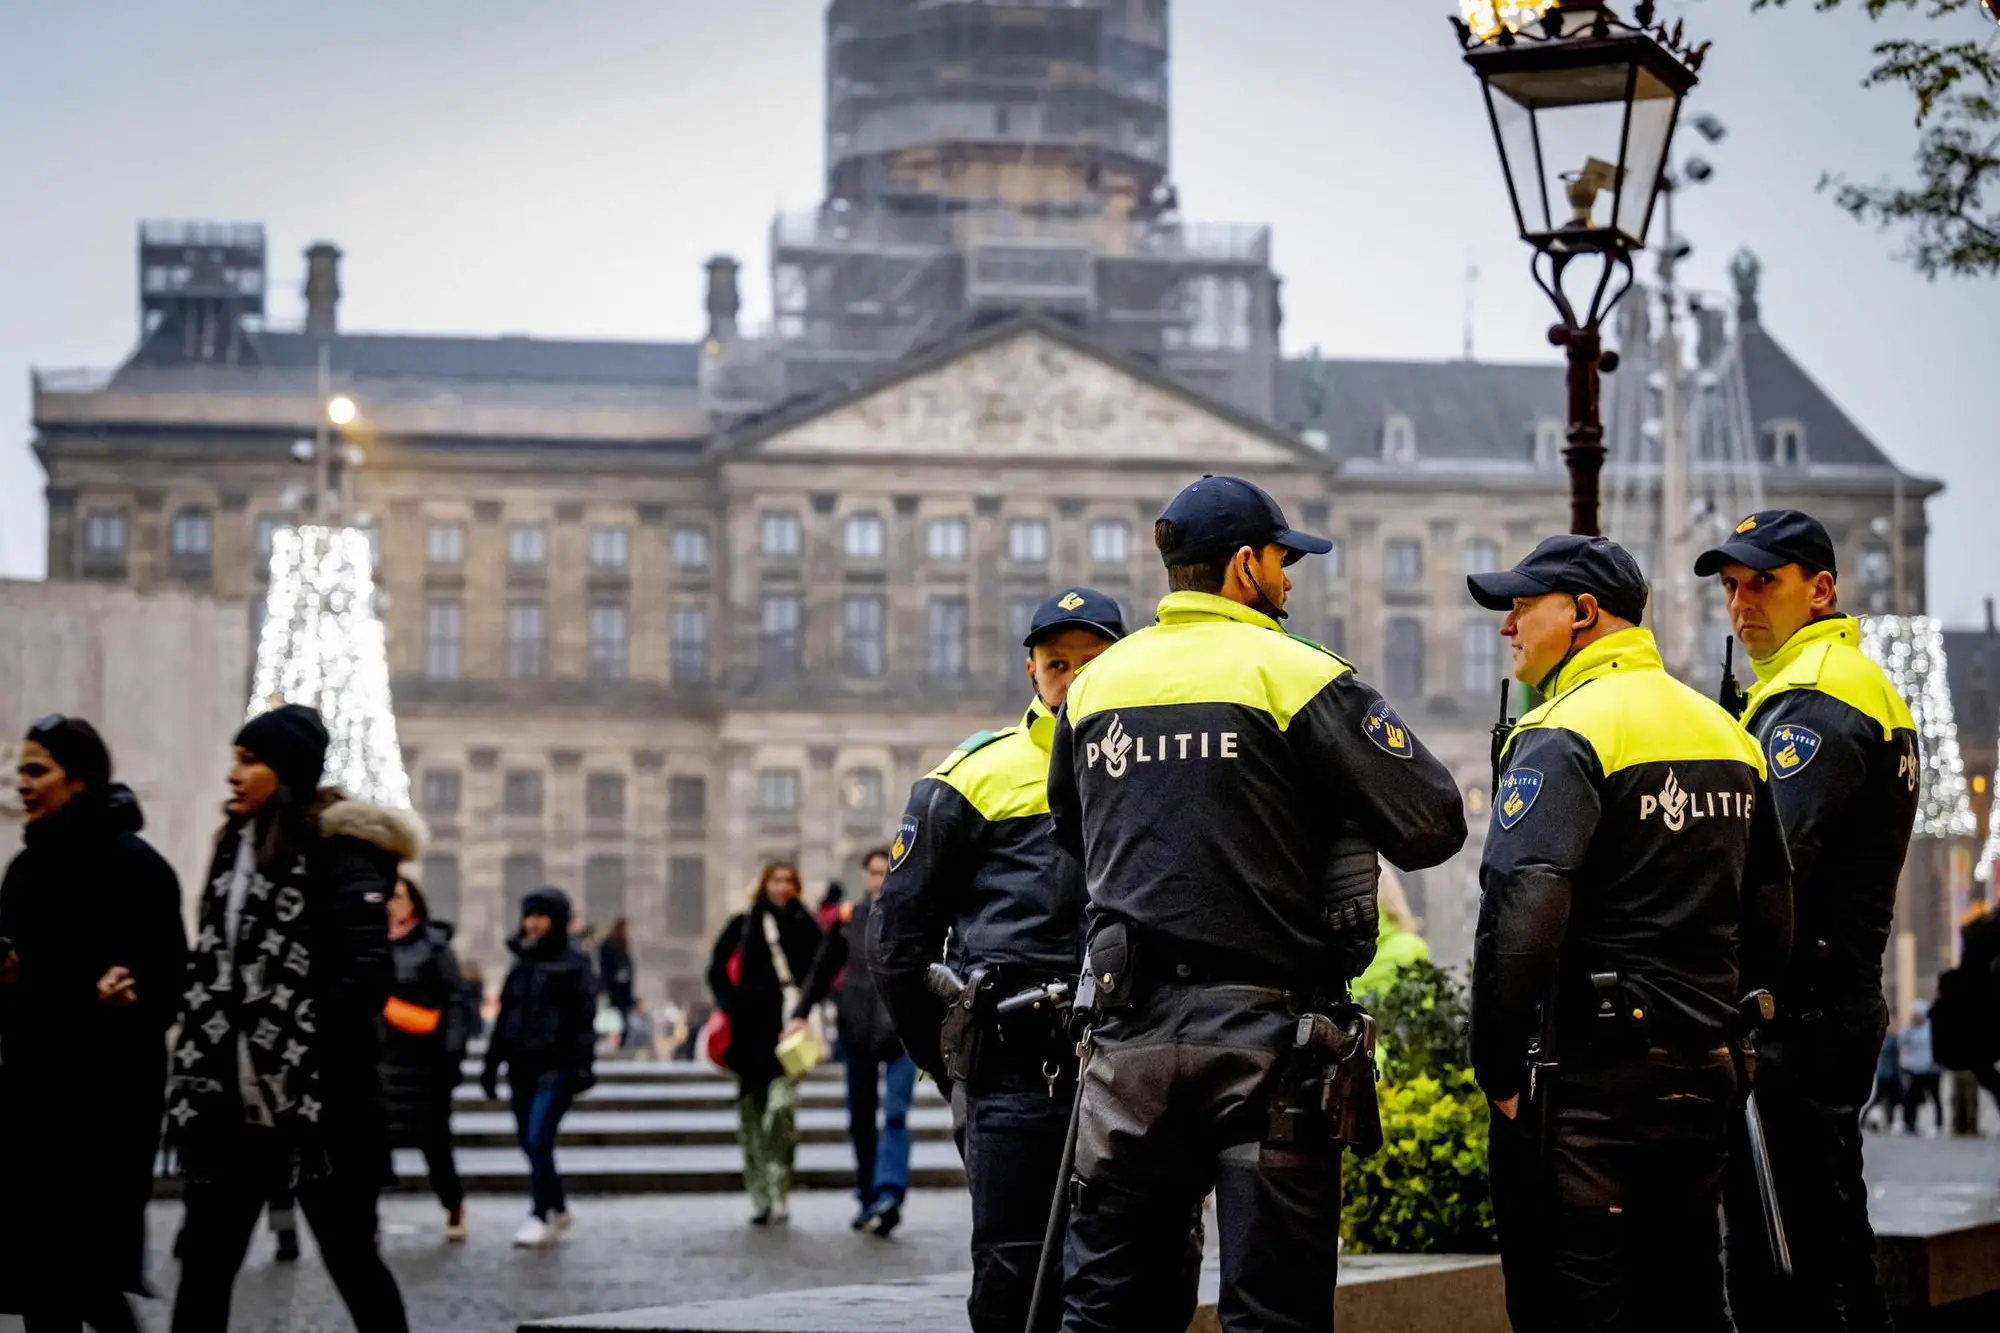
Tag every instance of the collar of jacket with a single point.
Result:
(1040, 724)
(1183, 608)
(1814, 638)
(1627, 650)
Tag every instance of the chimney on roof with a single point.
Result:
(322, 287)
(723, 301)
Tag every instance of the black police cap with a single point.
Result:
(1568, 564)
(1076, 608)
(1772, 539)
(1218, 516)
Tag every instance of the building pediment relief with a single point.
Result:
(1032, 396)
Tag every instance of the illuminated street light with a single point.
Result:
(340, 409)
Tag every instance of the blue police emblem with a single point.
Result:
(1790, 749)
(906, 838)
(1517, 794)
(1390, 735)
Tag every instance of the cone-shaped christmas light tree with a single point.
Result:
(323, 646)
(1911, 650)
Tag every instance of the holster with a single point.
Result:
(1110, 968)
(962, 1036)
(1326, 1092)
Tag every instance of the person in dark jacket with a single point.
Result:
(614, 973)
(544, 1037)
(872, 1054)
(425, 1028)
(274, 1074)
(91, 955)
(755, 986)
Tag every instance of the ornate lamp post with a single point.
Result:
(1583, 106)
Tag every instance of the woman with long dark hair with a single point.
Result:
(614, 972)
(755, 973)
(91, 953)
(425, 1029)
(274, 1073)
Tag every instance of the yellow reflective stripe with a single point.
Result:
(1008, 779)
(1204, 661)
(1645, 716)
(1837, 668)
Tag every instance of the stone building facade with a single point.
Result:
(637, 649)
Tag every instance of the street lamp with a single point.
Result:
(1582, 105)
(340, 409)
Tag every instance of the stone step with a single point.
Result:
(617, 1069)
(672, 1170)
(586, 1127)
(715, 1093)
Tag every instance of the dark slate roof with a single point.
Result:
(1458, 409)
(508, 359)
(1780, 390)
(1972, 669)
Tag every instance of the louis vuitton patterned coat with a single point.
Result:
(310, 971)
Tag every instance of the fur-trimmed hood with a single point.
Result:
(401, 833)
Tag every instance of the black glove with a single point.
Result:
(583, 1080)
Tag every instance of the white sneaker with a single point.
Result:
(454, 1227)
(561, 1221)
(534, 1234)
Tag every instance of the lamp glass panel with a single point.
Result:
(1654, 108)
(1553, 124)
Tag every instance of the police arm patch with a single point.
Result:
(1388, 731)
(1516, 796)
(1790, 749)
(906, 838)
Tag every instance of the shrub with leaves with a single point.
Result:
(1425, 1192)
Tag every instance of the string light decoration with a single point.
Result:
(1489, 18)
(323, 646)
(1911, 650)
(1989, 855)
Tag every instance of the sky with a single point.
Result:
(512, 166)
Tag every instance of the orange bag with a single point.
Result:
(411, 1018)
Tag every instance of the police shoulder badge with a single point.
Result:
(1390, 735)
(1790, 749)
(906, 838)
(1516, 796)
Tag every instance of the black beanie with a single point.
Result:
(291, 741)
(74, 744)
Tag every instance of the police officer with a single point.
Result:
(1843, 759)
(1200, 770)
(1634, 887)
(973, 863)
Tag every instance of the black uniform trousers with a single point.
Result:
(1010, 1129)
(1813, 1077)
(222, 1210)
(1176, 1104)
(1617, 1227)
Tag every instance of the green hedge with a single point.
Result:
(1425, 1192)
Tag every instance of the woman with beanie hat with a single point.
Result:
(91, 952)
(275, 1071)
(426, 1027)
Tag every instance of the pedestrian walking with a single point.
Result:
(751, 973)
(545, 1038)
(1841, 749)
(1922, 1077)
(426, 1026)
(91, 957)
(1203, 771)
(1888, 1093)
(276, 1072)
(614, 972)
(880, 1074)
(1634, 887)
